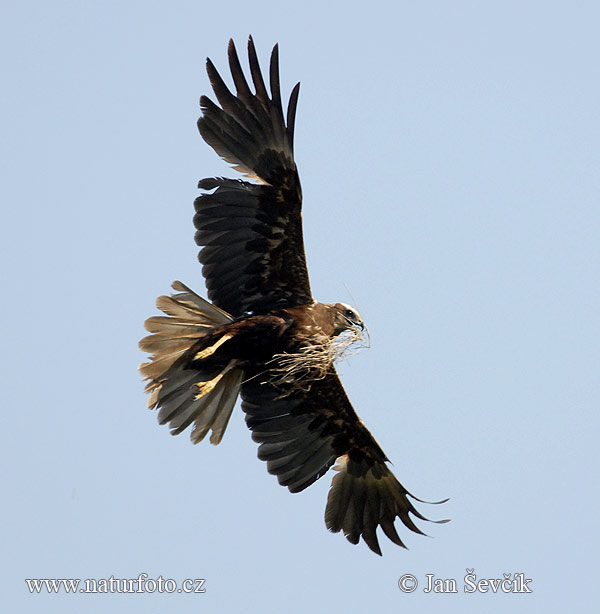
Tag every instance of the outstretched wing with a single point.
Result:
(251, 233)
(302, 432)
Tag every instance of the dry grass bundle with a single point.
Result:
(313, 362)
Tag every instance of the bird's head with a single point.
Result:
(346, 317)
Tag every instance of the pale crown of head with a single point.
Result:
(347, 317)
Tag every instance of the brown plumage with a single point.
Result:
(264, 335)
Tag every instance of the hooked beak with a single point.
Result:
(352, 324)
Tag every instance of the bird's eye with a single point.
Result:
(349, 313)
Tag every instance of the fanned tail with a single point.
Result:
(187, 395)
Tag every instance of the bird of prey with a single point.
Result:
(263, 336)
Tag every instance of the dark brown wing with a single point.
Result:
(302, 432)
(251, 233)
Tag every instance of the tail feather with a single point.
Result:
(191, 317)
(230, 390)
(185, 395)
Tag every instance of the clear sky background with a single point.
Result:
(449, 158)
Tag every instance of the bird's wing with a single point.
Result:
(302, 431)
(251, 233)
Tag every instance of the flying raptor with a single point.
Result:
(263, 336)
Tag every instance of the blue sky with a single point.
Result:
(449, 160)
